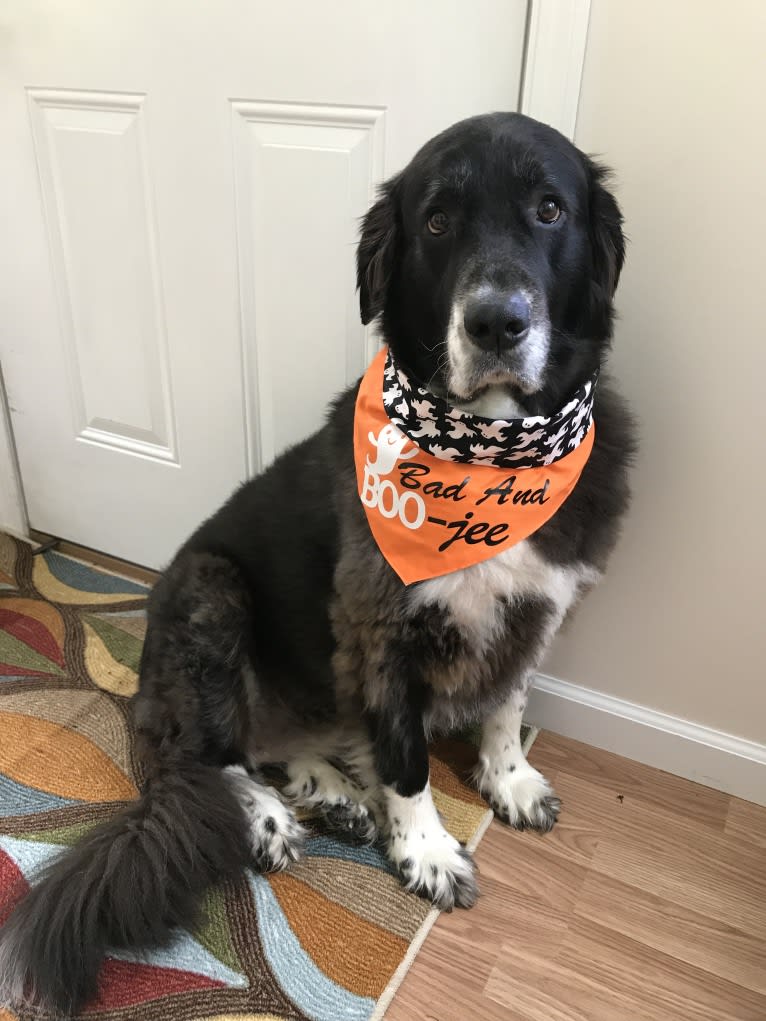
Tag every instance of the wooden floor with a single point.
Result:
(647, 902)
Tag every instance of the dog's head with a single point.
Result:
(492, 261)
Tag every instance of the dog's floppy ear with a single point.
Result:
(376, 251)
(606, 237)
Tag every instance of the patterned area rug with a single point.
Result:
(328, 940)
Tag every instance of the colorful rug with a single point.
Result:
(328, 940)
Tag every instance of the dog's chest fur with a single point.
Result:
(505, 611)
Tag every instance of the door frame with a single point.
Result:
(13, 511)
(554, 56)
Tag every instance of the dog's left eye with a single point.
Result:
(548, 211)
(438, 222)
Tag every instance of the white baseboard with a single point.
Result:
(707, 756)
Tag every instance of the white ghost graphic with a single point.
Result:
(390, 444)
(458, 429)
(577, 439)
(423, 409)
(427, 428)
(389, 396)
(492, 430)
(527, 437)
(553, 440)
(554, 455)
(522, 455)
(582, 413)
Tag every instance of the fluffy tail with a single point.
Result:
(126, 884)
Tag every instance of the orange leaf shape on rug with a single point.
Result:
(91, 713)
(52, 758)
(358, 955)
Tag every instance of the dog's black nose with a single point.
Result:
(498, 322)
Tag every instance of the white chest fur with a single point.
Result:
(475, 597)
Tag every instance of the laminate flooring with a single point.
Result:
(647, 902)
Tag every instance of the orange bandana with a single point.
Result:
(480, 486)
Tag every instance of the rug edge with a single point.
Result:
(384, 1001)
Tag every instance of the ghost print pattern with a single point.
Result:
(453, 435)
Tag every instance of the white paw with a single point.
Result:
(317, 784)
(276, 837)
(314, 781)
(434, 865)
(518, 794)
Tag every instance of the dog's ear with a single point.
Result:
(376, 252)
(606, 237)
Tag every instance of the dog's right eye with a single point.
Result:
(549, 210)
(438, 222)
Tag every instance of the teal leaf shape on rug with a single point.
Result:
(329, 847)
(18, 799)
(88, 579)
(29, 855)
(184, 953)
(310, 989)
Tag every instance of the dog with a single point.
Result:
(280, 633)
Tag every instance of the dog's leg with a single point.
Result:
(518, 793)
(316, 784)
(430, 861)
(358, 756)
(276, 837)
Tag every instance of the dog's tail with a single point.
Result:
(126, 884)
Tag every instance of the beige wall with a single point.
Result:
(674, 98)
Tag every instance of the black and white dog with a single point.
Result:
(280, 634)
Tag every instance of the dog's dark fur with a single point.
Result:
(279, 623)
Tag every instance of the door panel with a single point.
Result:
(303, 174)
(182, 198)
(91, 158)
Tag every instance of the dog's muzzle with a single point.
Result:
(497, 336)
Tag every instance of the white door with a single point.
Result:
(181, 187)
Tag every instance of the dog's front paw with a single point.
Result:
(435, 866)
(519, 795)
(276, 837)
(319, 786)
